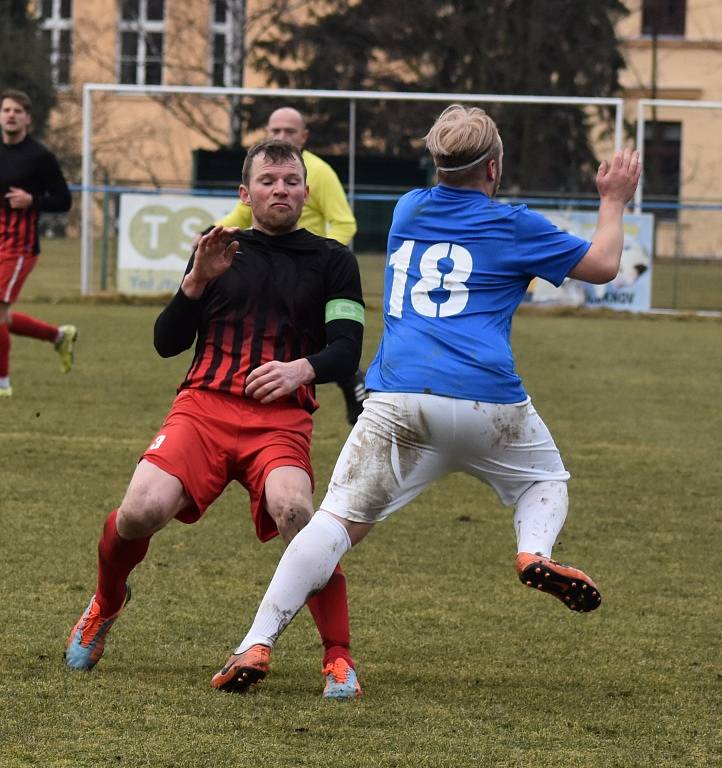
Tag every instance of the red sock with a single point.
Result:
(116, 559)
(4, 350)
(24, 325)
(329, 609)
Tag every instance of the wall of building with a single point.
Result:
(688, 68)
(138, 140)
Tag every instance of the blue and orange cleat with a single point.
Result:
(570, 585)
(87, 639)
(341, 680)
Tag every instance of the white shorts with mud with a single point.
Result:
(403, 442)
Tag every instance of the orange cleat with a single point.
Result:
(573, 587)
(243, 671)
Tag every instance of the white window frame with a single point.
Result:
(55, 24)
(142, 26)
(228, 29)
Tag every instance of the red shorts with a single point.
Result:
(210, 438)
(13, 273)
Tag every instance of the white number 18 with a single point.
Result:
(431, 279)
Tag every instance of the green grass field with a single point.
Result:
(461, 665)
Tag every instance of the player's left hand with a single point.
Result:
(275, 379)
(19, 198)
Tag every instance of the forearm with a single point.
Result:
(193, 287)
(340, 358)
(609, 235)
(55, 201)
(601, 262)
(56, 197)
(177, 325)
(616, 182)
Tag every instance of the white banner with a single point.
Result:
(155, 233)
(631, 289)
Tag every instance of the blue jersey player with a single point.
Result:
(444, 392)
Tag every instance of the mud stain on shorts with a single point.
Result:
(379, 460)
(508, 429)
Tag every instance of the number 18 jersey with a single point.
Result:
(458, 266)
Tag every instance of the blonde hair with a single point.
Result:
(462, 138)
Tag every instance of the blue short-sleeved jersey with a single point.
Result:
(458, 266)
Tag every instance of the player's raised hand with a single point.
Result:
(213, 256)
(275, 379)
(618, 179)
(215, 252)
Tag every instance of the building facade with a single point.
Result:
(672, 49)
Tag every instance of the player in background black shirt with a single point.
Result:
(30, 182)
(273, 310)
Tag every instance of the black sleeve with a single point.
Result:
(343, 276)
(177, 325)
(344, 338)
(340, 357)
(55, 198)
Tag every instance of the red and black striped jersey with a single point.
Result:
(269, 305)
(32, 167)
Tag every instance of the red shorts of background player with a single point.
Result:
(210, 438)
(14, 270)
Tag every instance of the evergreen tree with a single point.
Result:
(521, 47)
(26, 60)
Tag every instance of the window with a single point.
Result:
(218, 75)
(57, 26)
(140, 42)
(663, 17)
(227, 23)
(662, 142)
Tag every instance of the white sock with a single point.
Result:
(540, 514)
(305, 568)
(4, 382)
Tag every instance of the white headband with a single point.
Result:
(468, 165)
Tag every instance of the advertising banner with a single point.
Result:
(631, 289)
(155, 233)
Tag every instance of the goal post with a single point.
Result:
(642, 106)
(352, 97)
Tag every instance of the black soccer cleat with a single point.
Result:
(570, 585)
(243, 671)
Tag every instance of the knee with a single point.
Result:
(141, 514)
(290, 513)
(549, 496)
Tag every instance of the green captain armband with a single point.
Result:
(344, 309)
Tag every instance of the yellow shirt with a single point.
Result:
(326, 212)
